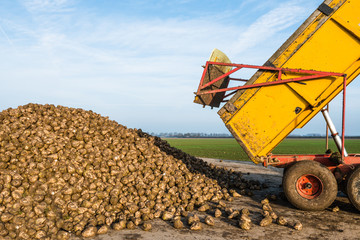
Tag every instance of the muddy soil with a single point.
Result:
(326, 224)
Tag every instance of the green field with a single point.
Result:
(228, 148)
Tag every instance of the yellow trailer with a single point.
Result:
(312, 67)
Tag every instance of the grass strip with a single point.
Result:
(228, 148)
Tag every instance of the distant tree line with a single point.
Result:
(314, 135)
(228, 135)
(192, 135)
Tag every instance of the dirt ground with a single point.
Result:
(326, 224)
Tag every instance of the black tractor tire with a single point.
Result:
(284, 172)
(353, 188)
(310, 186)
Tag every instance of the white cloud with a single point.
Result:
(6, 36)
(268, 25)
(48, 6)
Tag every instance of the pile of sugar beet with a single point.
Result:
(69, 171)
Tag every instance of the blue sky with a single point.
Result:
(139, 61)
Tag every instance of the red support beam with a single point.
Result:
(219, 78)
(343, 121)
(283, 160)
(260, 84)
(312, 75)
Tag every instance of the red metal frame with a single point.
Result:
(313, 75)
(345, 165)
(348, 163)
(343, 118)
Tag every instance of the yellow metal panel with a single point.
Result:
(259, 120)
(265, 116)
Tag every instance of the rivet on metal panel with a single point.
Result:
(230, 107)
(298, 110)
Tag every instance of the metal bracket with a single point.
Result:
(269, 64)
(325, 9)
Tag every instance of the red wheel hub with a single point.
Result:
(309, 186)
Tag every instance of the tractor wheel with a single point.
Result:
(353, 188)
(284, 172)
(309, 185)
